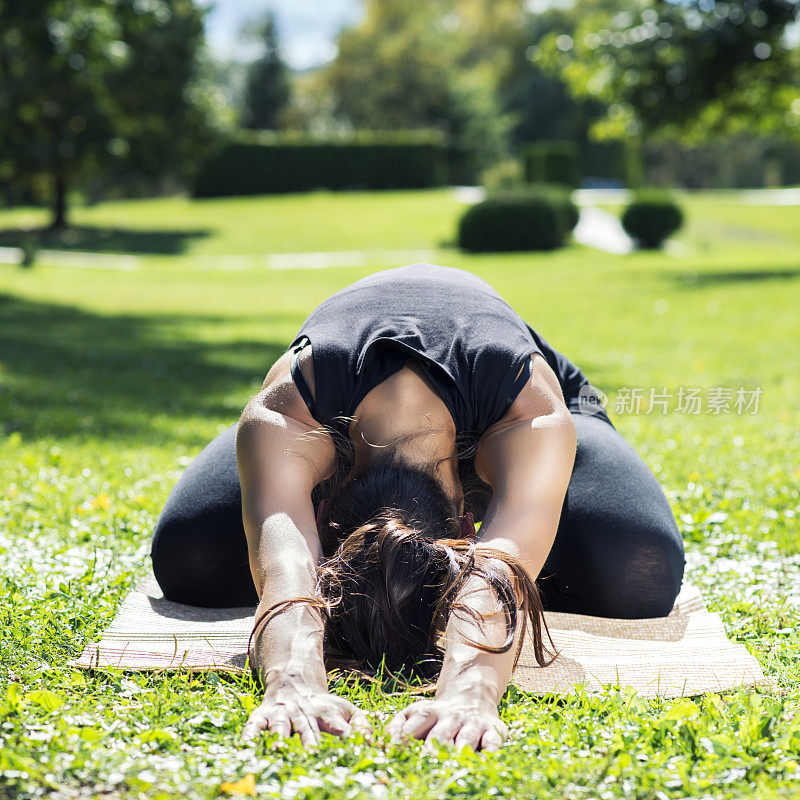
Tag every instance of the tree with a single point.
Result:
(427, 63)
(541, 101)
(92, 86)
(267, 89)
(688, 68)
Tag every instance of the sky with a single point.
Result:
(307, 28)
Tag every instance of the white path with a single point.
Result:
(784, 196)
(602, 230)
(344, 258)
(113, 262)
(771, 197)
(329, 259)
(589, 197)
(117, 262)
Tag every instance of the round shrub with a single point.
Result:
(509, 221)
(651, 218)
(571, 213)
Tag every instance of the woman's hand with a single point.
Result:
(451, 720)
(292, 706)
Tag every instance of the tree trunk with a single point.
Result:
(59, 201)
(633, 162)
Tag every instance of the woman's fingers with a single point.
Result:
(359, 722)
(256, 722)
(448, 724)
(332, 720)
(444, 731)
(280, 723)
(470, 735)
(336, 716)
(398, 720)
(418, 724)
(341, 718)
(420, 720)
(304, 726)
(493, 738)
(283, 721)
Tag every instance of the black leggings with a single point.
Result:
(617, 553)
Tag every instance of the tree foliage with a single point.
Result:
(92, 86)
(267, 89)
(686, 67)
(428, 63)
(542, 103)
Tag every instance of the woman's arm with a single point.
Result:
(527, 459)
(279, 462)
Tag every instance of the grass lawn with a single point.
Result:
(111, 381)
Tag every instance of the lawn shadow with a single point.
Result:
(94, 239)
(67, 372)
(698, 280)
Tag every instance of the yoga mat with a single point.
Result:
(686, 653)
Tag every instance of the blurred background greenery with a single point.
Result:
(102, 99)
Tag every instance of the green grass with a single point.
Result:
(244, 226)
(111, 381)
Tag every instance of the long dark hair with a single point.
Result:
(396, 559)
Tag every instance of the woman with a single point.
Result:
(410, 404)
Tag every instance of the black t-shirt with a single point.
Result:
(474, 347)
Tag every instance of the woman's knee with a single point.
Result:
(643, 575)
(615, 560)
(202, 563)
(181, 563)
(199, 550)
(620, 537)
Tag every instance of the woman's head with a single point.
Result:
(385, 572)
(396, 560)
(386, 488)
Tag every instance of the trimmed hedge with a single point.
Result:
(533, 219)
(651, 218)
(260, 163)
(552, 162)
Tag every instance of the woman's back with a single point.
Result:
(474, 348)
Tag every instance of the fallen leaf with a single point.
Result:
(246, 786)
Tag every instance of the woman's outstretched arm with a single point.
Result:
(527, 459)
(279, 464)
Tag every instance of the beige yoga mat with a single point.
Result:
(686, 653)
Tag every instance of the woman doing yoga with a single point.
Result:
(410, 404)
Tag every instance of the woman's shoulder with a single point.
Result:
(541, 394)
(279, 392)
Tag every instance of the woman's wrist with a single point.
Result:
(292, 660)
(299, 678)
(475, 686)
(288, 647)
